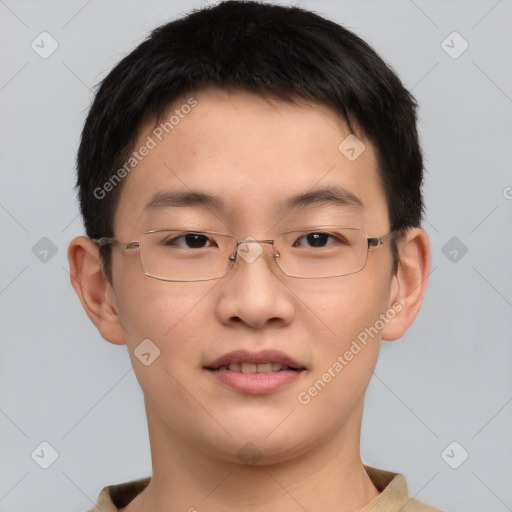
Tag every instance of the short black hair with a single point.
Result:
(287, 53)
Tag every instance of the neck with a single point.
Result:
(329, 476)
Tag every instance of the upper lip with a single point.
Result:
(244, 356)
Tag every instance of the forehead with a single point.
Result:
(253, 155)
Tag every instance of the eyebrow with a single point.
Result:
(332, 195)
(329, 195)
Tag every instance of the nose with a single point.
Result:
(253, 292)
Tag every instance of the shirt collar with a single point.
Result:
(394, 493)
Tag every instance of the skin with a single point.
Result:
(254, 152)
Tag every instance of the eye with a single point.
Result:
(318, 239)
(189, 241)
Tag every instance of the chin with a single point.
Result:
(255, 446)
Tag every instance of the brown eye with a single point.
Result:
(319, 239)
(189, 241)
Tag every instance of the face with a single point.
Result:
(254, 154)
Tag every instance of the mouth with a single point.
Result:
(255, 373)
(266, 361)
(244, 367)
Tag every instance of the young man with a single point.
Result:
(250, 182)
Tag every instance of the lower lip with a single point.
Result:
(256, 383)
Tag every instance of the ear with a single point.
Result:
(409, 283)
(93, 289)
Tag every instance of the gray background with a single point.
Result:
(449, 379)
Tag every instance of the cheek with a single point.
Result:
(346, 306)
(346, 347)
(347, 341)
(164, 329)
(170, 314)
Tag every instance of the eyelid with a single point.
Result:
(296, 232)
(173, 237)
(338, 238)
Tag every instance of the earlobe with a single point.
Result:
(409, 283)
(93, 289)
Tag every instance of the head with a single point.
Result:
(251, 103)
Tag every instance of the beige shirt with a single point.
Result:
(393, 497)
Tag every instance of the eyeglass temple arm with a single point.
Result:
(381, 239)
(104, 241)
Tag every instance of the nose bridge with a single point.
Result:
(250, 249)
(253, 250)
(251, 253)
(254, 294)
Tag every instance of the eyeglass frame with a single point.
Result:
(372, 242)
